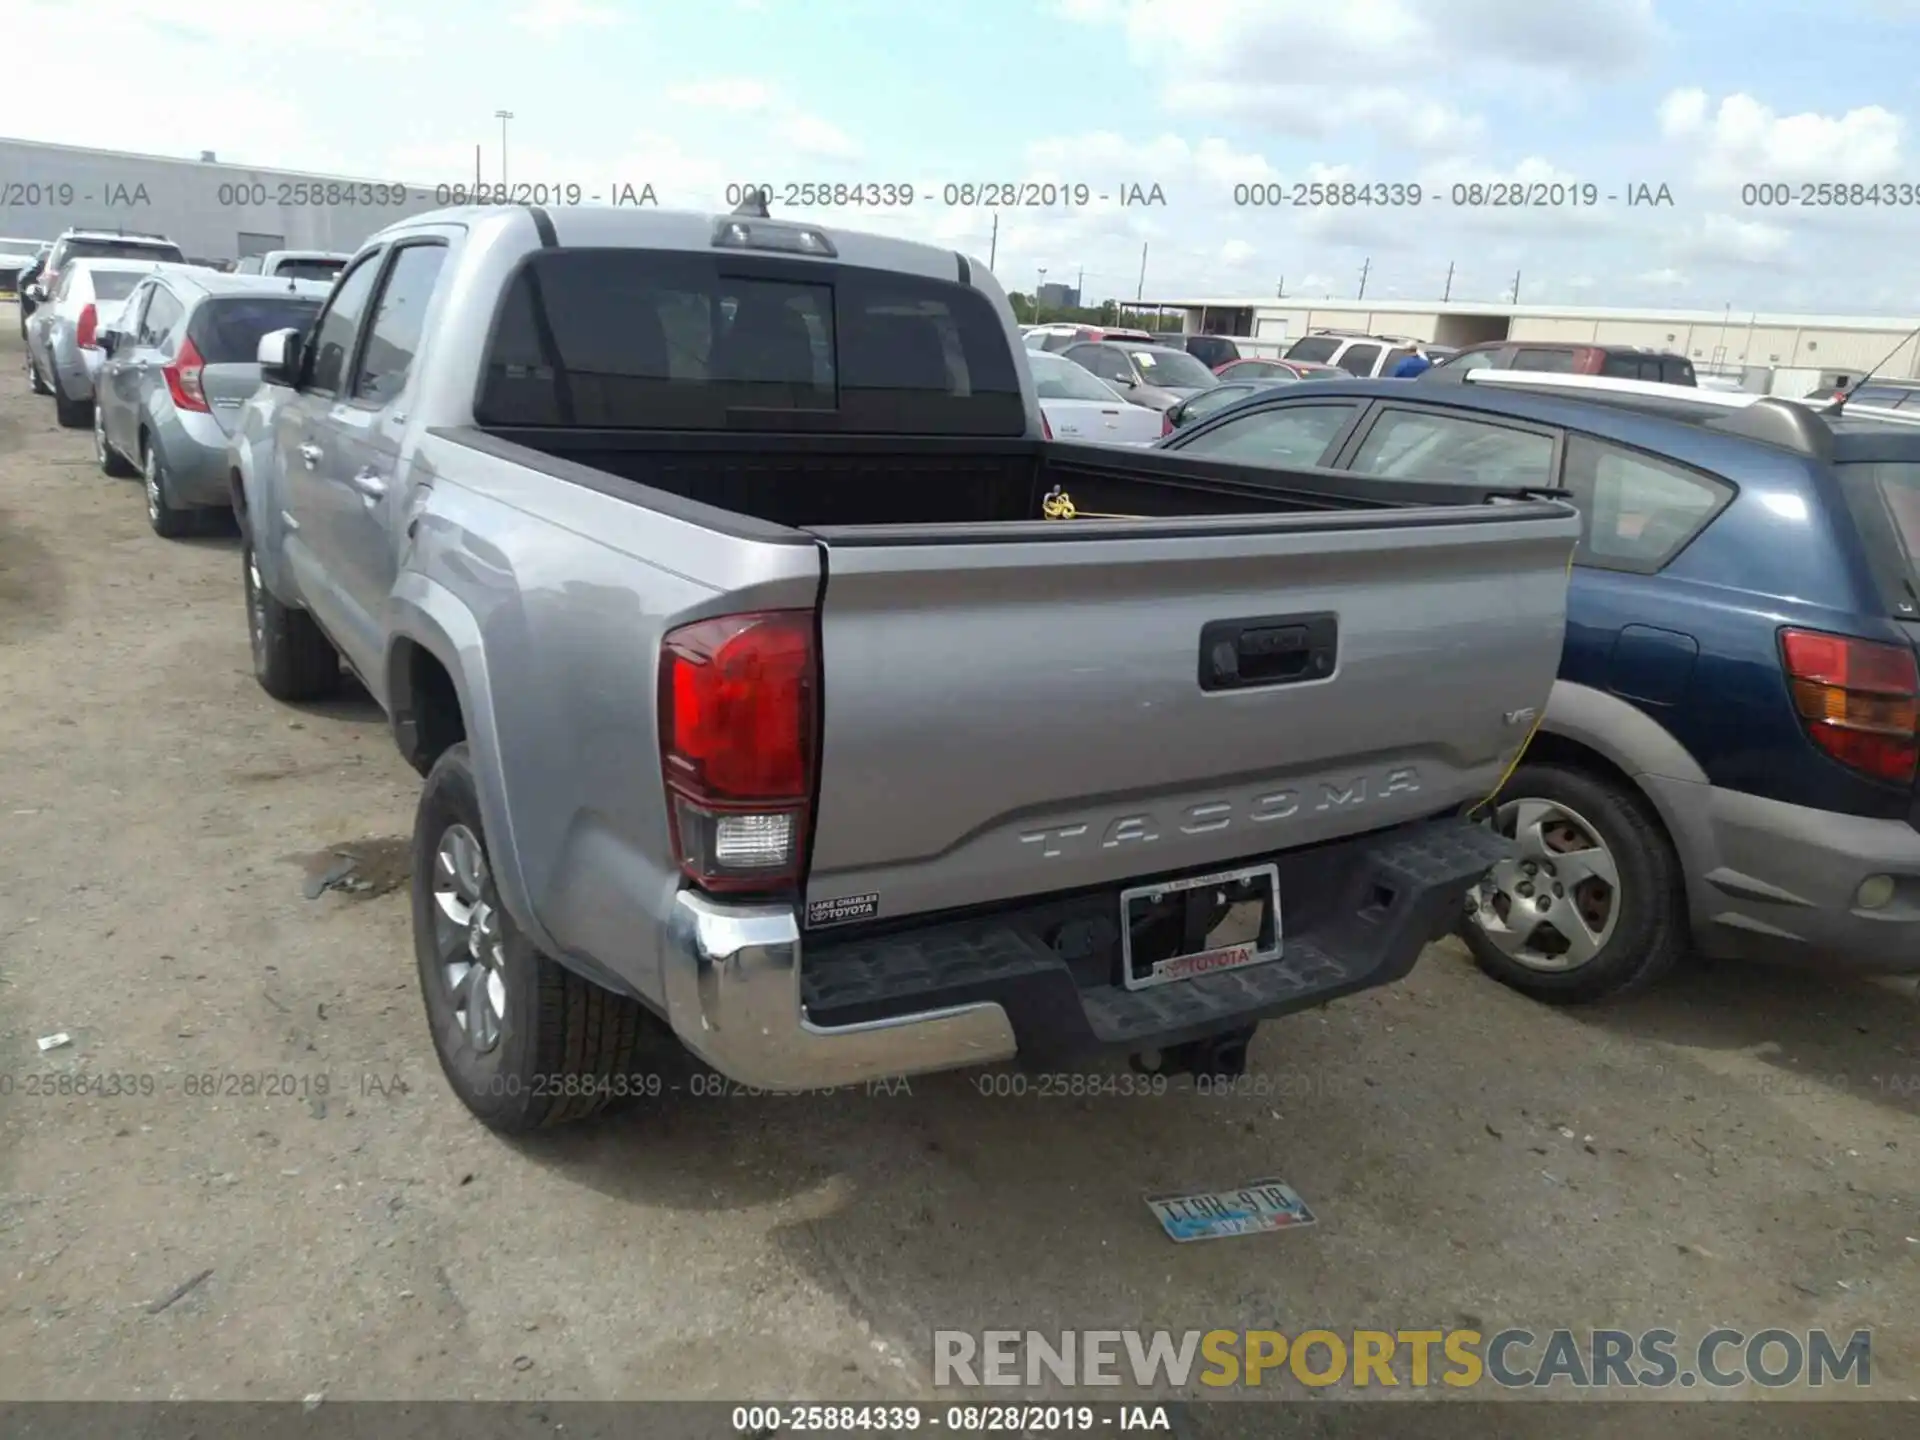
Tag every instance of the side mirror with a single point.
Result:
(36, 292)
(279, 357)
(106, 340)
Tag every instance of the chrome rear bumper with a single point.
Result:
(733, 997)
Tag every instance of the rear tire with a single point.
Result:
(524, 1042)
(292, 657)
(1597, 829)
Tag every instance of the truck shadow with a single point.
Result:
(971, 1201)
(1811, 1032)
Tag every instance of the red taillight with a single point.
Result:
(183, 378)
(86, 327)
(1046, 425)
(737, 700)
(1859, 699)
(1166, 423)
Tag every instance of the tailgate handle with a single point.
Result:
(1267, 650)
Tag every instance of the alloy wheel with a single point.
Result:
(1554, 904)
(151, 471)
(256, 613)
(467, 937)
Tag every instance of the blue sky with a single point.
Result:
(1701, 96)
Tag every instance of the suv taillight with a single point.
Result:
(1859, 700)
(1166, 422)
(183, 378)
(87, 327)
(737, 704)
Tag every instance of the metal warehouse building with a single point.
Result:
(1767, 353)
(212, 211)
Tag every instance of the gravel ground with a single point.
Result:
(1737, 1148)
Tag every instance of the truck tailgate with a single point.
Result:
(1022, 709)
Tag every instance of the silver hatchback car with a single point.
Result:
(63, 354)
(180, 362)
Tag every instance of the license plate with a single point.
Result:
(1254, 1208)
(1181, 929)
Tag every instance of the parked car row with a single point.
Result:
(157, 356)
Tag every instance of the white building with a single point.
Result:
(210, 210)
(1772, 353)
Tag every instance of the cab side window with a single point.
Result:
(333, 336)
(393, 339)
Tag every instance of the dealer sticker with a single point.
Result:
(838, 912)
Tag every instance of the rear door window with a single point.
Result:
(1557, 362)
(1429, 445)
(637, 339)
(1640, 511)
(1313, 347)
(227, 329)
(1628, 367)
(1677, 370)
(1359, 359)
(1290, 435)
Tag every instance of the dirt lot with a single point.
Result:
(1740, 1148)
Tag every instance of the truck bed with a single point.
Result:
(1256, 660)
(812, 482)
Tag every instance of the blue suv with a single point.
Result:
(1728, 759)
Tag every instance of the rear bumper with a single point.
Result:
(195, 449)
(1771, 881)
(75, 370)
(1038, 980)
(733, 998)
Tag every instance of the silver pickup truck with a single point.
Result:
(773, 678)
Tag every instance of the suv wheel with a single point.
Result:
(524, 1042)
(292, 657)
(1592, 905)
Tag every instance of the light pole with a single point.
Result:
(503, 116)
(1036, 293)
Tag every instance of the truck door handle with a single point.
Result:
(1268, 650)
(311, 454)
(369, 484)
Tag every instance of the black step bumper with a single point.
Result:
(1355, 913)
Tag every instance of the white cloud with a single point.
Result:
(1741, 141)
(1719, 239)
(1236, 252)
(798, 130)
(550, 17)
(1313, 68)
(1666, 278)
